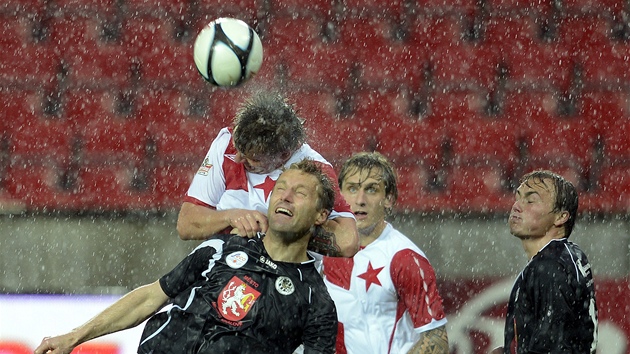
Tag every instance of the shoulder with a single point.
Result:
(307, 152)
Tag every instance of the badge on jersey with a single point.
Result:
(236, 299)
(236, 259)
(205, 167)
(284, 286)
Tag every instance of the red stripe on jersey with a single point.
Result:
(339, 271)
(234, 173)
(341, 342)
(414, 280)
(196, 201)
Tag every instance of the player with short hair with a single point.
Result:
(231, 188)
(236, 294)
(552, 305)
(386, 295)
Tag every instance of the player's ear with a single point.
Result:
(322, 216)
(562, 217)
(388, 202)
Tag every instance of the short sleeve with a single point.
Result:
(191, 269)
(415, 283)
(208, 184)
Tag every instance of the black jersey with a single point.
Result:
(552, 305)
(229, 296)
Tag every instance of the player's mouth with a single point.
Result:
(360, 215)
(284, 211)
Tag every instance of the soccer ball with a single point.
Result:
(227, 52)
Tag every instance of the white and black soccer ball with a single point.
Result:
(227, 52)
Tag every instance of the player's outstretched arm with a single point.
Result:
(129, 311)
(197, 222)
(434, 341)
(337, 237)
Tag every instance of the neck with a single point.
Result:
(283, 251)
(371, 233)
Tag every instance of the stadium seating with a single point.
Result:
(109, 97)
(532, 63)
(40, 188)
(113, 188)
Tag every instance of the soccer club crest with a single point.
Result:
(284, 286)
(236, 299)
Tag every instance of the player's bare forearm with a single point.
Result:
(434, 341)
(336, 238)
(197, 222)
(323, 242)
(129, 311)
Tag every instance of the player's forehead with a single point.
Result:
(363, 176)
(543, 187)
(297, 178)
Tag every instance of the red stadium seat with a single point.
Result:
(210, 10)
(112, 188)
(415, 191)
(319, 66)
(394, 65)
(85, 7)
(511, 7)
(314, 106)
(393, 9)
(444, 7)
(464, 65)
(612, 193)
(223, 106)
(170, 184)
(91, 59)
(428, 32)
(478, 189)
(292, 32)
(446, 108)
(604, 110)
(23, 7)
(28, 66)
(40, 140)
(485, 140)
(589, 7)
(20, 106)
(338, 138)
(114, 141)
(162, 8)
(317, 8)
(39, 187)
(16, 32)
(617, 143)
(83, 106)
(163, 106)
(531, 62)
(403, 140)
(365, 34)
(184, 142)
(561, 145)
(592, 44)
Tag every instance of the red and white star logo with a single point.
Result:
(371, 276)
(266, 186)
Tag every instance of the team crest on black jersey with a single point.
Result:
(236, 299)
(205, 167)
(285, 286)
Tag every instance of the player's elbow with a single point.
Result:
(185, 231)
